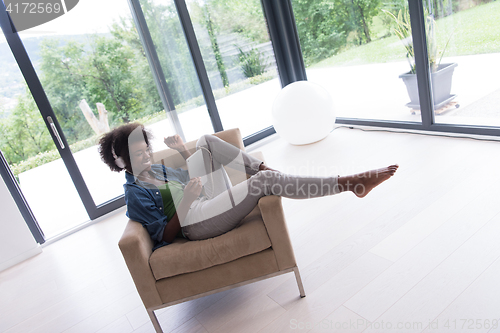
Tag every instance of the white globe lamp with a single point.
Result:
(303, 113)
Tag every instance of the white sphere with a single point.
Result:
(303, 113)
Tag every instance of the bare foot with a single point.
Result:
(362, 183)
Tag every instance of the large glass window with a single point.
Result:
(94, 71)
(350, 49)
(177, 66)
(464, 51)
(239, 58)
(96, 77)
(32, 156)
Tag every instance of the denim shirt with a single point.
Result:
(145, 204)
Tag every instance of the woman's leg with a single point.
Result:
(218, 153)
(214, 217)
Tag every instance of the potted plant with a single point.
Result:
(441, 74)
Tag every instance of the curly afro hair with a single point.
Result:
(118, 139)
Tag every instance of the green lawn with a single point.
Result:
(473, 31)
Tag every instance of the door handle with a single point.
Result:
(54, 130)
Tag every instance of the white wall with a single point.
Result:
(16, 241)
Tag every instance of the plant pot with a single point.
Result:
(441, 86)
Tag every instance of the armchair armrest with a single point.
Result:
(136, 246)
(274, 220)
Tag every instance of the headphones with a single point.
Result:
(118, 160)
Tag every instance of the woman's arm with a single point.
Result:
(142, 207)
(171, 229)
(191, 192)
(184, 152)
(175, 142)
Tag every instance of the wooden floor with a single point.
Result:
(419, 254)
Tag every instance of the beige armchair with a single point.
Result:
(258, 249)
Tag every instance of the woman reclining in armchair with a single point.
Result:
(168, 203)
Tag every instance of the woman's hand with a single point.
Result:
(174, 142)
(193, 189)
(191, 193)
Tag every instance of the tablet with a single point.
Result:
(196, 166)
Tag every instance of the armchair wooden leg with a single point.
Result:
(154, 320)
(299, 281)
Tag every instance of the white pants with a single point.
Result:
(223, 206)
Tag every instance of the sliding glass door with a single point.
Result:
(349, 49)
(90, 70)
(466, 52)
(239, 59)
(31, 155)
(85, 77)
(423, 64)
(216, 69)
(170, 60)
